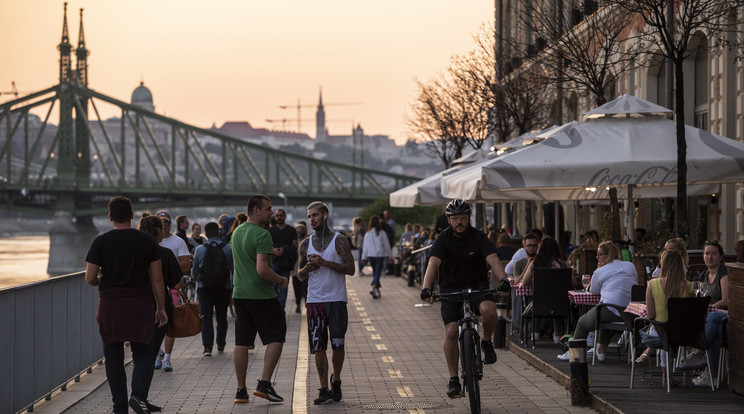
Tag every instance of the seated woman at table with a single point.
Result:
(613, 280)
(716, 277)
(679, 245)
(548, 255)
(671, 284)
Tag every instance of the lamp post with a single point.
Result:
(283, 197)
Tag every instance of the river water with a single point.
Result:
(23, 259)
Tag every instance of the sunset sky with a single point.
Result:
(224, 60)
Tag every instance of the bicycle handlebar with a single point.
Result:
(461, 293)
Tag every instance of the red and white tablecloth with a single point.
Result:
(580, 297)
(522, 290)
(639, 308)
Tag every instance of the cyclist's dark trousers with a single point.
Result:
(214, 303)
(117, 377)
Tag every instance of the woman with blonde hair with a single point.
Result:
(679, 245)
(671, 284)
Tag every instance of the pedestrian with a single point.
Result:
(325, 260)
(377, 249)
(284, 256)
(213, 266)
(182, 224)
(171, 280)
(179, 248)
(130, 266)
(299, 286)
(196, 239)
(357, 237)
(459, 260)
(257, 309)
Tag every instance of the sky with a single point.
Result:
(207, 62)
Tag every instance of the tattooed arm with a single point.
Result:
(343, 248)
(263, 267)
(303, 266)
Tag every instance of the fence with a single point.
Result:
(48, 335)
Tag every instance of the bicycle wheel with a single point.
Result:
(470, 370)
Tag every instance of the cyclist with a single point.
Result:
(460, 255)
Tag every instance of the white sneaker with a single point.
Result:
(563, 357)
(589, 353)
(590, 340)
(702, 380)
(536, 336)
(556, 339)
(601, 357)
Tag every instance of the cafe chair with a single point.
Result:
(685, 327)
(618, 326)
(549, 299)
(638, 293)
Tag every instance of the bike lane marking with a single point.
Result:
(299, 398)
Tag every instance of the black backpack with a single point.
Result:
(214, 272)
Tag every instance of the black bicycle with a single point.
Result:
(471, 361)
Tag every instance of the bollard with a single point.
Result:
(499, 334)
(579, 373)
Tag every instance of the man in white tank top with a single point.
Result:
(325, 258)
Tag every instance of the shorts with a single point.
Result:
(324, 318)
(263, 316)
(452, 310)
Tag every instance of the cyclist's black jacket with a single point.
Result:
(463, 259)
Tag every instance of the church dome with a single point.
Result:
(142, 95)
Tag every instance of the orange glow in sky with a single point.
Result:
(224, 60)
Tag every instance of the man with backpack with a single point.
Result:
(213, 265)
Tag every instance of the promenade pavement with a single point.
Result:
(394, 363)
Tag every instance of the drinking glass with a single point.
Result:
(586, 280)
(703, 288)
(696, 287)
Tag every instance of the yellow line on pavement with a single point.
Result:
(395, 373)
(376, 336)
(404, 391)
(299, 397)
(387, 358)
(381, 347)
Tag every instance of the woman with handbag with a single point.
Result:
(171, 279)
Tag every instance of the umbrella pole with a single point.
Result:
(631, 211)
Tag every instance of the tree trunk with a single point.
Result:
(679, 109)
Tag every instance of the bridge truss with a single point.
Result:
(77, 165)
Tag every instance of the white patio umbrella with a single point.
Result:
(427, 191)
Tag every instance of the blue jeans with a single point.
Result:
(713, 335)
(214, 303)
(117, 377)
(378, 265)
(361, 266)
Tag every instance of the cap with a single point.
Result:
(163, 214)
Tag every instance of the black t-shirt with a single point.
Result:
(505, 252)
(463, 259)
(124, 257)
(284, 238)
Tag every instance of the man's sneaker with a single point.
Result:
(266, 391)
(489, 354)
(453, 388)
(139, 406)
(590, 340)
(241, 397)
(589, 353)
(564, 356)
(702, 380)
(324, 397)
(221, 349)
(601, 357)
(167, 367)
(336, 389)
(158, 363)
(207, 351)
(152, 407)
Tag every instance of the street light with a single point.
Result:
(283, 197)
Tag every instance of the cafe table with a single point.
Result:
(580, 297)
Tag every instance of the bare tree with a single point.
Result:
(580, 53)
(669, 29)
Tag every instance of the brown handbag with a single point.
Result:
(186, 321)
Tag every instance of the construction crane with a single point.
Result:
(13, 90)
(299, 107)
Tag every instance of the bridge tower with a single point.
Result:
(69, 238)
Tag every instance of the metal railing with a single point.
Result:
(49, 336)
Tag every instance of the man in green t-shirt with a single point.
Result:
(257, 309)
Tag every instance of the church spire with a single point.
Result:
(64, 47)
(320, 121)
(82, 55)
